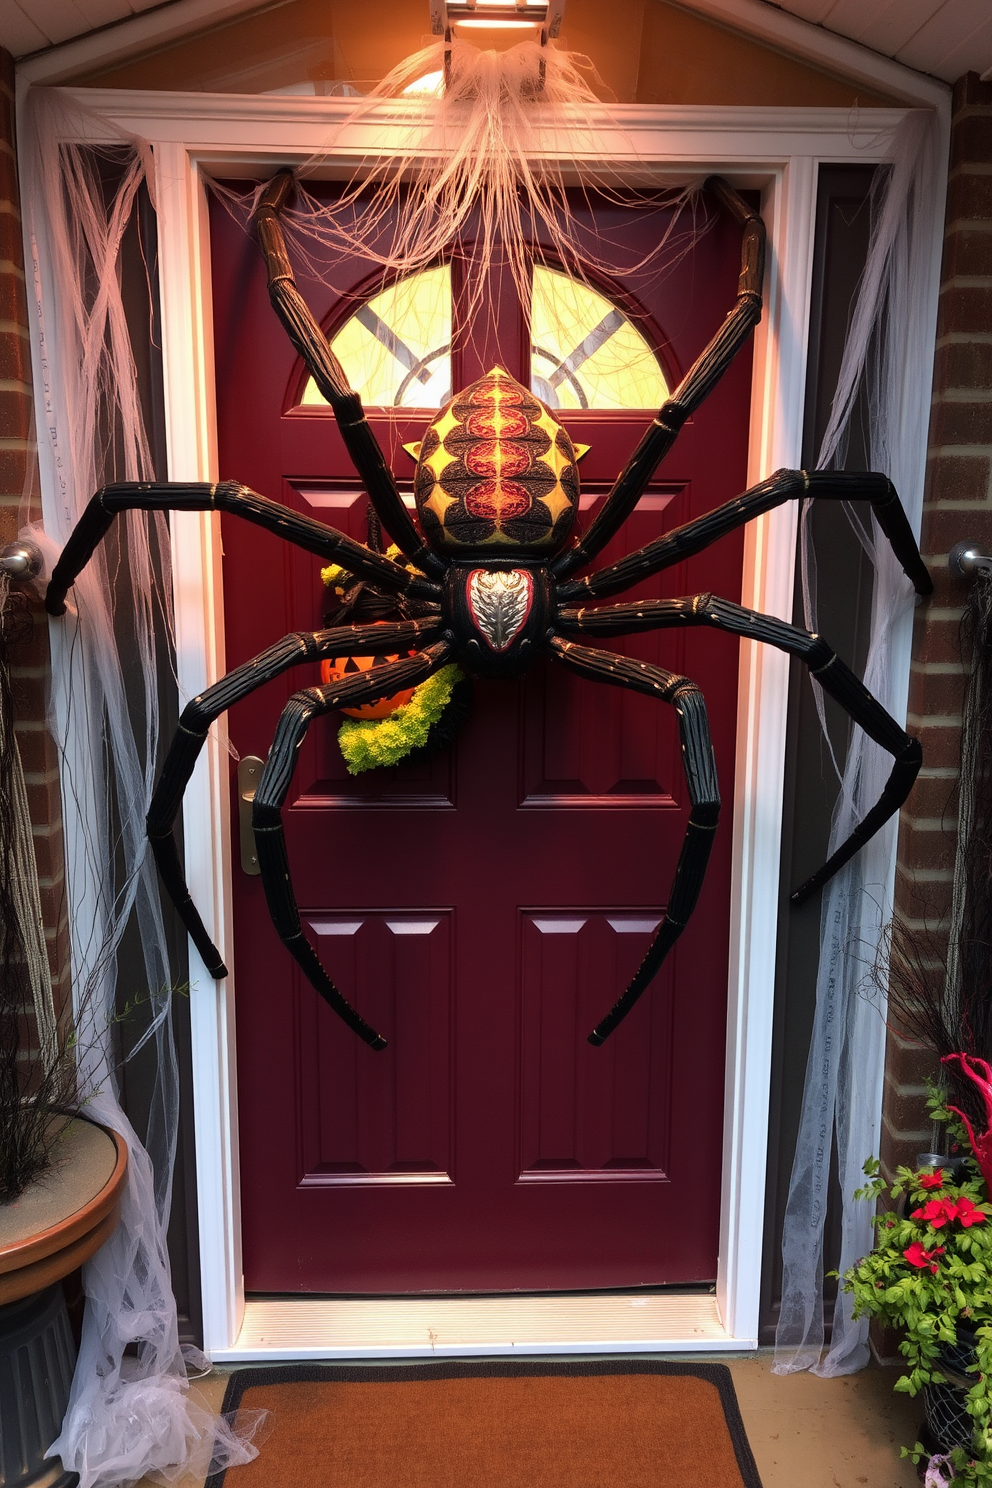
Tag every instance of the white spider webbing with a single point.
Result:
(129, 1411)
(888, 351)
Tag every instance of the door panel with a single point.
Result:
(376, 1121)
(580, 1115)
(486, 909)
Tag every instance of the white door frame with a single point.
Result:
(777, 150)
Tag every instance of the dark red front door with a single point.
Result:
(483, 911)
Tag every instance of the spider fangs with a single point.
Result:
(493, 580)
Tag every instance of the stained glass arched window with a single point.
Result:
(586, 353)
(396, 348)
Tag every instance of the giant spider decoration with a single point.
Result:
(496, 493)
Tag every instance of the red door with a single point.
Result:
(484, 910)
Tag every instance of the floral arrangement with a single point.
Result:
(930, 1275)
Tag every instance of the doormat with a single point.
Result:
(622, 1424)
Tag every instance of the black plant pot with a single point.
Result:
(947, 1423)
(37, 1357)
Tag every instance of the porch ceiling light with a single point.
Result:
(495, 15)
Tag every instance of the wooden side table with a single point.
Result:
(54, 1226)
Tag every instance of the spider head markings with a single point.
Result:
(497, 615)
(496, 475)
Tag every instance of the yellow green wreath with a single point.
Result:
(374, 743)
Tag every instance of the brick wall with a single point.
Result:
(28, 649)
(958, 505)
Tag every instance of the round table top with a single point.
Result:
(66, 1213)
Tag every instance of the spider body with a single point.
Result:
(491, 580)
(496, 475)
(497, 616)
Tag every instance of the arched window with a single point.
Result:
(396, 348)
(585, 352)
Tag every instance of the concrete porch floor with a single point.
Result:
(804, 1432)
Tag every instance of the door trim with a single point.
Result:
(776, 150)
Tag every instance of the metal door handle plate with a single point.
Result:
(249, 774)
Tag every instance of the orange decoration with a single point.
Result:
(340, 667)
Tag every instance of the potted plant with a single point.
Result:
(929, 1277)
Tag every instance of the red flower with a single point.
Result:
(937, 1212)
(967, 1213)
(917, 1255)
(932, 1180)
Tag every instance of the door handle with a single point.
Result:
(249, 774)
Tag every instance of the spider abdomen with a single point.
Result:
(496, 473)
(497, 615)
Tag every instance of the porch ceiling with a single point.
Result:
(944, 38)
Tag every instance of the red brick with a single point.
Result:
(13, 300)
(940, 693)
(967, 251)
(15, 356)
(965, 364)
(962, 423)
(927, 849)
(11, 242)
(939, 640)
(6, 116)
(957, 478)
(49, 854)
(943, 528)
(44, 800)
(936, 799)
(8, 177)
(964, 309)
(34, 750)
(971, 137)
(971, 92)
(905, 1112)
(30, 695)
(15, 415)
(13, 463)
(909, 889)
(969, 196)
(941, 746)
(949, 592)
(911, 1062)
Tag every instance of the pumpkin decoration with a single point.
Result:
(337, 668)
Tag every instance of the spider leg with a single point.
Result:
(270, 839)
(833, 676)
(330, 377)
(700, 380)
(227, 496)
(704, 796)
(784, 485)
(195, 724)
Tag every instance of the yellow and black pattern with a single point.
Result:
(496, 470)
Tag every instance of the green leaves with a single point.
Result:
(929, 1276)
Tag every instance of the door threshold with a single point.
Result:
(436, 1327)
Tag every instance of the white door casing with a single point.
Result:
(195, 135)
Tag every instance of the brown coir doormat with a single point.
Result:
(627, 1424)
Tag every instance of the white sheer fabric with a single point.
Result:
(886, 351)
(129, 1412)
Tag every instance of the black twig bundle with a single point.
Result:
(939, 975)
(36, 1085)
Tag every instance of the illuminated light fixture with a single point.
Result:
(431, 85)
(497, 15)
(495, 24)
